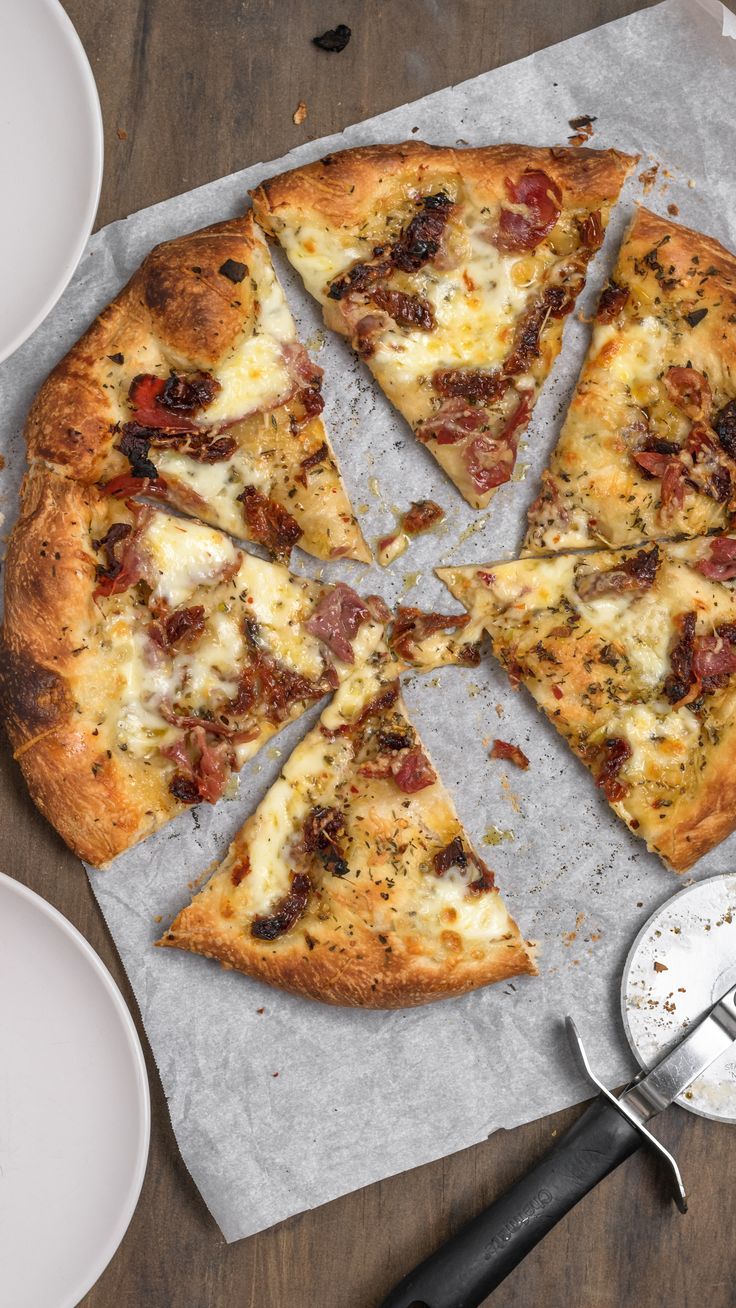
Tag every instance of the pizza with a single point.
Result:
(648, 447)
(145, 658)
(451, 272)
(354, 882)
(192, 388)
(631, 654)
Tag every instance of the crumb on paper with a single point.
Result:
(122, 134)
(2, 462)
(495, 836)
(673, 210)
(421, 516)
(391, 547)
(513, 798)
(317, 341)
(260, 1010)
(691, 183)
(334, 39)
(499, 710)
(648, 177)
(299, 113)
(510, 754)
(569, 936)
(411, 579)
(582, 127)
(660, 967)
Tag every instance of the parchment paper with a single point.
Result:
(280, 1104)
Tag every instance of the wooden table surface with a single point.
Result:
(192, 90)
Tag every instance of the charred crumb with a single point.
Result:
(582, 127)
(334, 39)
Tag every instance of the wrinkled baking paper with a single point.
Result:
(280, 1104)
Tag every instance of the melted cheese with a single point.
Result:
(476, 304)
(639, 353)
(140, 687)
(218, 484)
(315, 769)
(255, 374)
(210, 669)
(254, 377)
(639, 623)
(285, 809)
(661, 741)
(477, 918)
(320, 255)
(475, 307)
(186, 555)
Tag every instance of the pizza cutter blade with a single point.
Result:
(680, 1038)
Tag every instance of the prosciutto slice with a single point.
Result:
(336, 620)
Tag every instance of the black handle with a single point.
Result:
(470, 1265)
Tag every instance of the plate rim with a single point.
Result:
(70, 37)
(104, 1256)
(679, 894)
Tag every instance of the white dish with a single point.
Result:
(74, 1108)
(682, 961)
(51, 151)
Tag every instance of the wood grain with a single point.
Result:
(191, 90)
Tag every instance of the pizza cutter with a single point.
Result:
(679, 1010)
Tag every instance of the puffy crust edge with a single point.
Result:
(684, 242)
(98, 813)
(708, 818)
(367, 978)
(342, 188)
(196, 315)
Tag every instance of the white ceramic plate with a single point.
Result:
(682, 961)
(51, 158)
(74, 1108)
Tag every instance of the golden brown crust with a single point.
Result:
(178, 302)
(682, 298)
(650, 228)
(709, 816)
(344, 187)
(103, 713)
(369, 977)
(100, 804)
(180, 310)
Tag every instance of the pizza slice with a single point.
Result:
(353, 882)
(192, 387)
(631, 654)
(451, 272)
(145, 658)
(648, 448)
